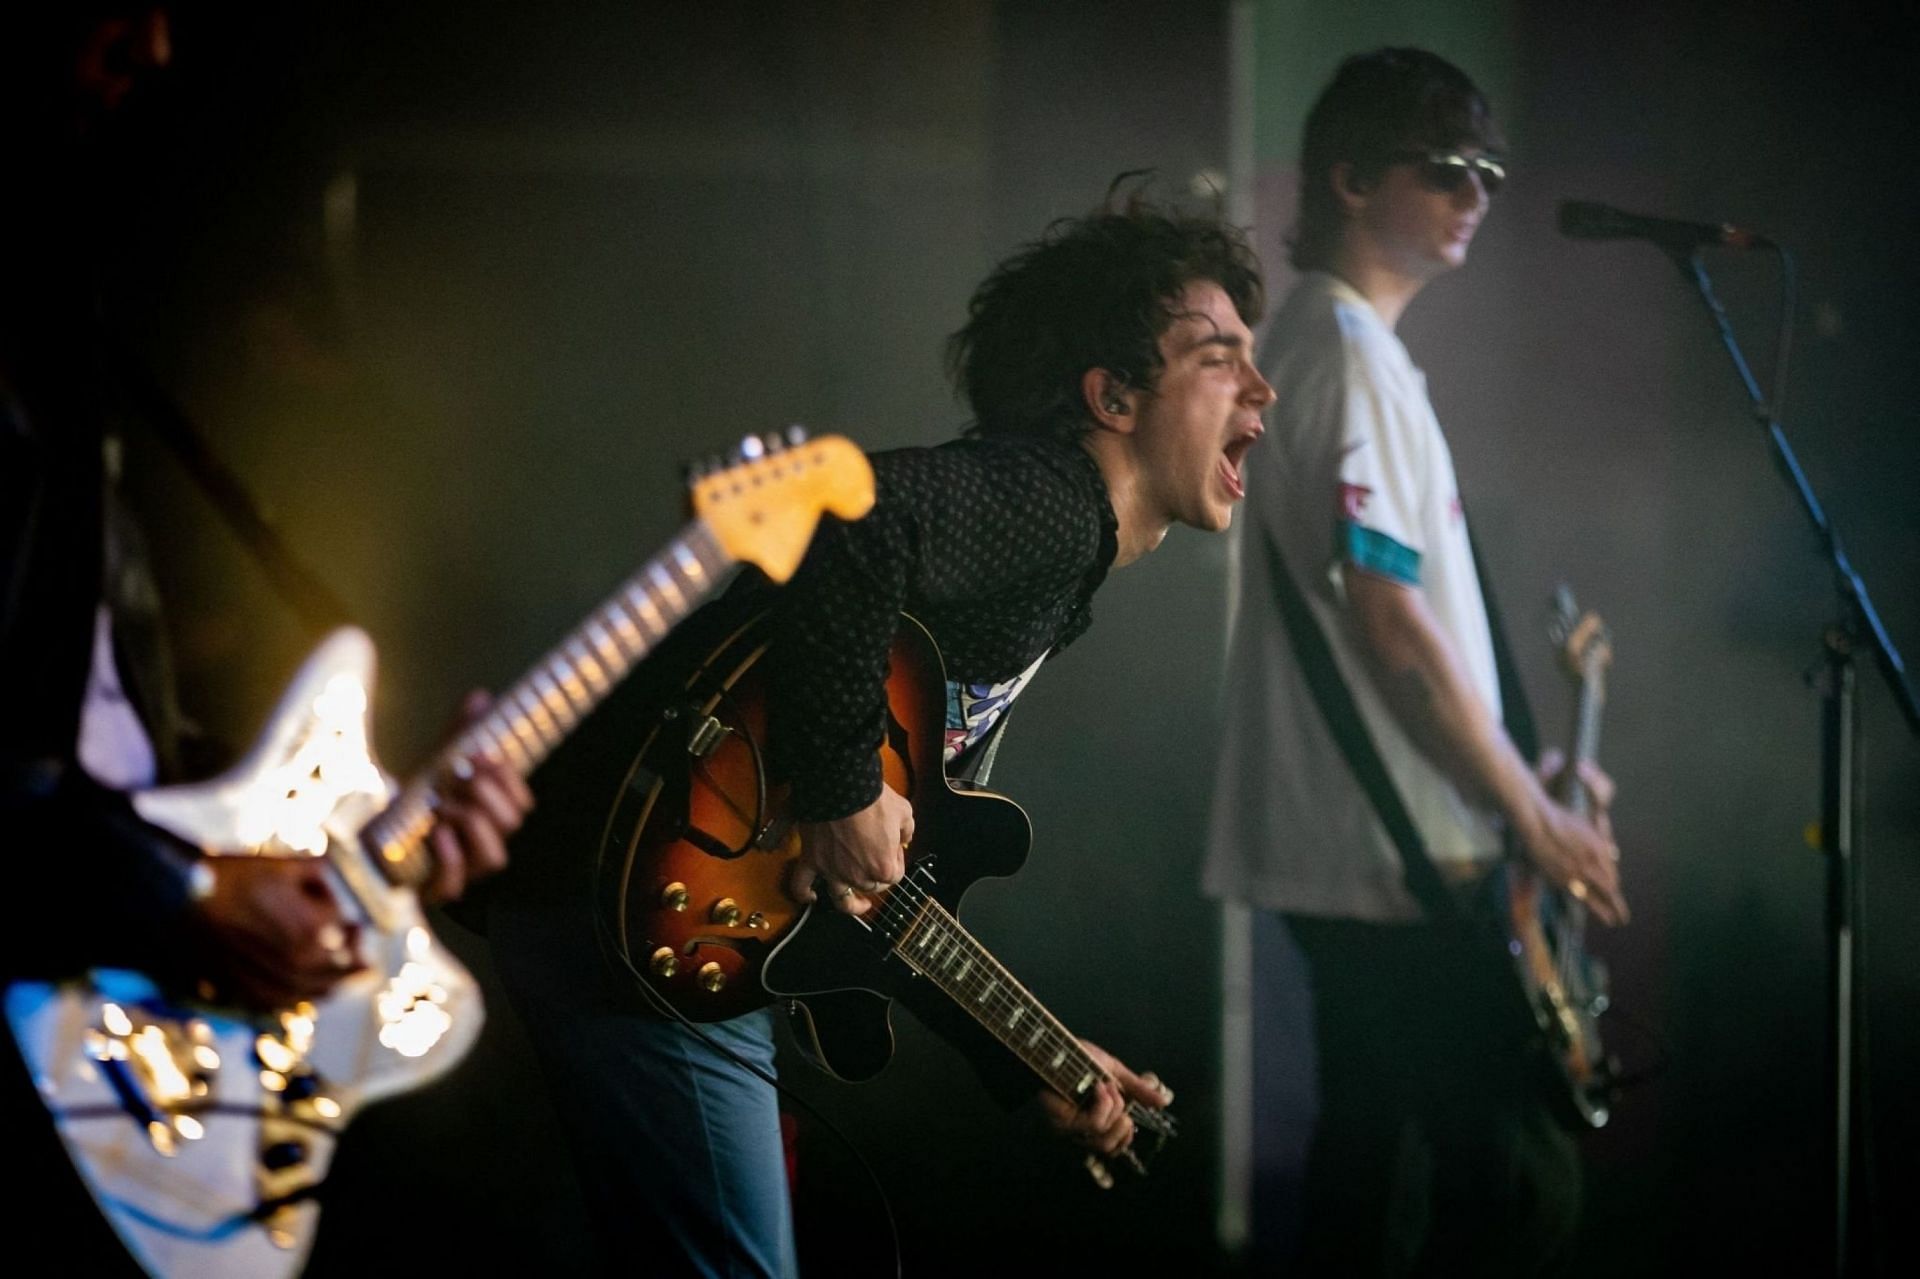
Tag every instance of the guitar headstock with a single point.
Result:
(762, 503)
(1585, 647)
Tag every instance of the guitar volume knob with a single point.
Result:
(674, 896)
(726, 911)
(712, 980)
(665, 963)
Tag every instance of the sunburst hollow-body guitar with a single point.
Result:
(698, 841)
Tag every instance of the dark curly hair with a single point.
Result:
(1092, 292)
(1378, 103)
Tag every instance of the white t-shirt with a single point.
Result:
(1353, 471)
(114, 747)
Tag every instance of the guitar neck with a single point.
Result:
(935, 945)
(528, 721)
(1585, 747)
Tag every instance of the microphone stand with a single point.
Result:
(1842, 792)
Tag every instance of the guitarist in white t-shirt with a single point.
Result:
(1436, 1151)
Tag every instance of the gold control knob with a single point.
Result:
(674, 896)
(711, 978)
(725, 911)
(665, 962)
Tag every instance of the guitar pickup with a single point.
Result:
(704, 738)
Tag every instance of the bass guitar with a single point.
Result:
(204, 1133)
(1565, 987)
(697, 842)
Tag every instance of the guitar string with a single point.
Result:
(1572, 924)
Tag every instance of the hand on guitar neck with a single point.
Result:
(1577, 853)
(1103, 1125)
(855, 857)
(480, 807)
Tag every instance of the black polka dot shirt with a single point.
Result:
(995, 545)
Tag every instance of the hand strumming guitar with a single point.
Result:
(1577, 855)
(1102, 1124)
(267, 932)
(855, 856)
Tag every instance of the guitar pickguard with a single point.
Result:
(201, 1134)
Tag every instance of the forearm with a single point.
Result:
(827, 679)
(92, 884)
(1424, 684)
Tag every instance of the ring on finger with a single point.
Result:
(1578, 888)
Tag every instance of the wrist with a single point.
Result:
(1529, 814)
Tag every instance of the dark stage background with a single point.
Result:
(457, 288)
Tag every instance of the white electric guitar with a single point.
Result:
(202, 1133)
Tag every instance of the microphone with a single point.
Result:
(1585, 220)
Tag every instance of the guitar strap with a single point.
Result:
(1515, 710)
(1335, 702)
(294, 581)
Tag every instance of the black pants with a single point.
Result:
(1436, 1152)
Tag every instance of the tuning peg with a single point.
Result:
(796, 435)
(751, 449)
(775, 442)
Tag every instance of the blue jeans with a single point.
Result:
(677, 1147)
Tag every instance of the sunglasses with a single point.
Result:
(1446, 172)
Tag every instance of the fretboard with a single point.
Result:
(529, 720)
(1586, 736)
(937, 947)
